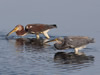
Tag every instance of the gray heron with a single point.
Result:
(75, 42)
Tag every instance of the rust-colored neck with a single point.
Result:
(21, 32)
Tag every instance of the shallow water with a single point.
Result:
(28, 56)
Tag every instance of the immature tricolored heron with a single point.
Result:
(75, 42)
(33, 29)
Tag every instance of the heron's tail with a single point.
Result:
(53, 26)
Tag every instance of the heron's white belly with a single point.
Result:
(79, 48)
(40, 32)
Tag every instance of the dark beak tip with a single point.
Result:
(7, 35)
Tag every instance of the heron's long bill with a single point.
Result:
(52, 40)
(14, 30)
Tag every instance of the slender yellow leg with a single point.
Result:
(76, 50)
(37, 36)
(46, 35)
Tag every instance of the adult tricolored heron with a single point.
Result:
(33, 29)
(75, 42)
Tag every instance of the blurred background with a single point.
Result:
(69, 15)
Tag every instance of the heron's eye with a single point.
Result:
(19, 28)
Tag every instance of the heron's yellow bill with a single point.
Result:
(14, 30)
(52, 40)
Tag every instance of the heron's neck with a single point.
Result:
(59, 45)
(59, 42)
(21, 33)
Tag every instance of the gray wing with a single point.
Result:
(77, 41)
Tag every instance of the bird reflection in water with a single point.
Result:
(72, 58)
(30, 44)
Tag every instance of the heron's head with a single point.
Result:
(17, 28)
(57, 40)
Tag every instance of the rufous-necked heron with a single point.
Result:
(33, 29)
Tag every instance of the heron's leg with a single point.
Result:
(79, 48)
(76, 50)
(37, 36)
(46, 35)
